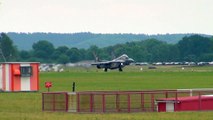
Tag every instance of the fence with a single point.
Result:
(55, 101)
(113, 101)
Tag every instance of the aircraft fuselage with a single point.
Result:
(117, 63)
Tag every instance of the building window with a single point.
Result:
(26, 71)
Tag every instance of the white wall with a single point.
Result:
(169, 107)
(25, 81)
(7, 77)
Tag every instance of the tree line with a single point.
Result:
(191, 48)
(24, 41)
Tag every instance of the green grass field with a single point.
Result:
(27, 105)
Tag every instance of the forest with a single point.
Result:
(192, 48)
(24, 41)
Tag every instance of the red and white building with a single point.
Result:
(192, 103)
(19, 76)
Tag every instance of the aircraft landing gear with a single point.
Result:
(105, 69)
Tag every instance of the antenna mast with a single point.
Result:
(1, 52)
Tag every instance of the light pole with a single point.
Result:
(1, 52)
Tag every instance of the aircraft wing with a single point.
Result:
(105, 63)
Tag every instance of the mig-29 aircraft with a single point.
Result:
(117, 63)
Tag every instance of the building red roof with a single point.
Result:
(191, 98)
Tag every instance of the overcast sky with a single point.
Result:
(107, 16)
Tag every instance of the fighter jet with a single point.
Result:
(117, 63)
